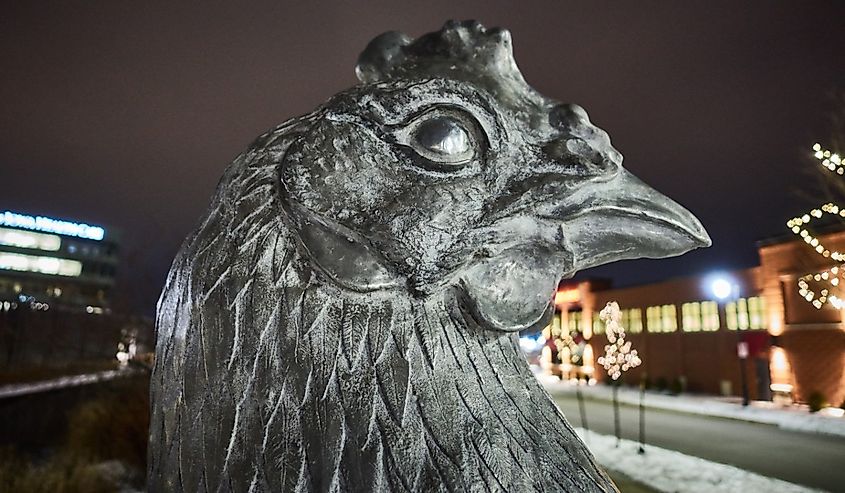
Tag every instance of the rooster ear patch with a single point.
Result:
(343, 255)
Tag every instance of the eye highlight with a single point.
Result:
(445, 138)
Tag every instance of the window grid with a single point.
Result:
(710, 316)
(746, 314)
(700, 315)
(661, 318)
(670, 321)
(633, 319)
(691, 314)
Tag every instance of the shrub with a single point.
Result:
(677, 386)
(104, 449)
(59, 474)
(114, 427)
(816, 401)
(661, 384)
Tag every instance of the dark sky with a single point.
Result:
(126, 113)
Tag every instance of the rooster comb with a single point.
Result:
(460, 50)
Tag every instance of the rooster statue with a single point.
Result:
(346, 316)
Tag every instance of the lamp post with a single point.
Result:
(723, 289)
(742, 353)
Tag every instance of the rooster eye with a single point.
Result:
(443, 137)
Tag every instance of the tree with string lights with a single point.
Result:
(618, 358)
(822, 287)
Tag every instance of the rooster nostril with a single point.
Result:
(571, 150)
(565, 116)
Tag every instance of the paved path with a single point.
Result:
(812, 460)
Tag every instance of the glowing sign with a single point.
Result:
(49, 225)
(26, 239)
(41, 265)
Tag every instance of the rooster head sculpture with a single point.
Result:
(345, 318)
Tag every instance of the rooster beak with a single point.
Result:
(623, 218)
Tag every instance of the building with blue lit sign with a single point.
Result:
(50, 225)
(47, 263)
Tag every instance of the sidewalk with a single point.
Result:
(796, 419)
(670, 471)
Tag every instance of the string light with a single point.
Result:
(618, 355)
(831, 277)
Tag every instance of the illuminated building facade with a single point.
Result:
(700, 333)
(51, 263)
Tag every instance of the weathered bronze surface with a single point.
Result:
(346, 316)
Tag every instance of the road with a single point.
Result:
(808, 459)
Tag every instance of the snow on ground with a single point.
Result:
(796, 419)
(670, 471)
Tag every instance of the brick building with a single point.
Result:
(688, 330)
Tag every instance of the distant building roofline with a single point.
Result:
(830, 228)
(605, 284)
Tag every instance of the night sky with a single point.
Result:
(126, 113)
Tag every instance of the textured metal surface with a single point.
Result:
(346, 316)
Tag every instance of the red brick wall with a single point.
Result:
(817, 358)
(814, 340)
(704, 359)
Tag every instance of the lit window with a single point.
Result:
(697, 316)
(661, 318)
(710, 316)
(744, 314)
(598, 325)
(756, 312)
(28, 239)
(633, 319)
(691, 315)
(730, 316)
(670, 322)
(41, 265)
(574, 322)
(554, 327)
(652, 315)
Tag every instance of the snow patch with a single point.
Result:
(670, 471)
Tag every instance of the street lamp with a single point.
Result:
(721, 288)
